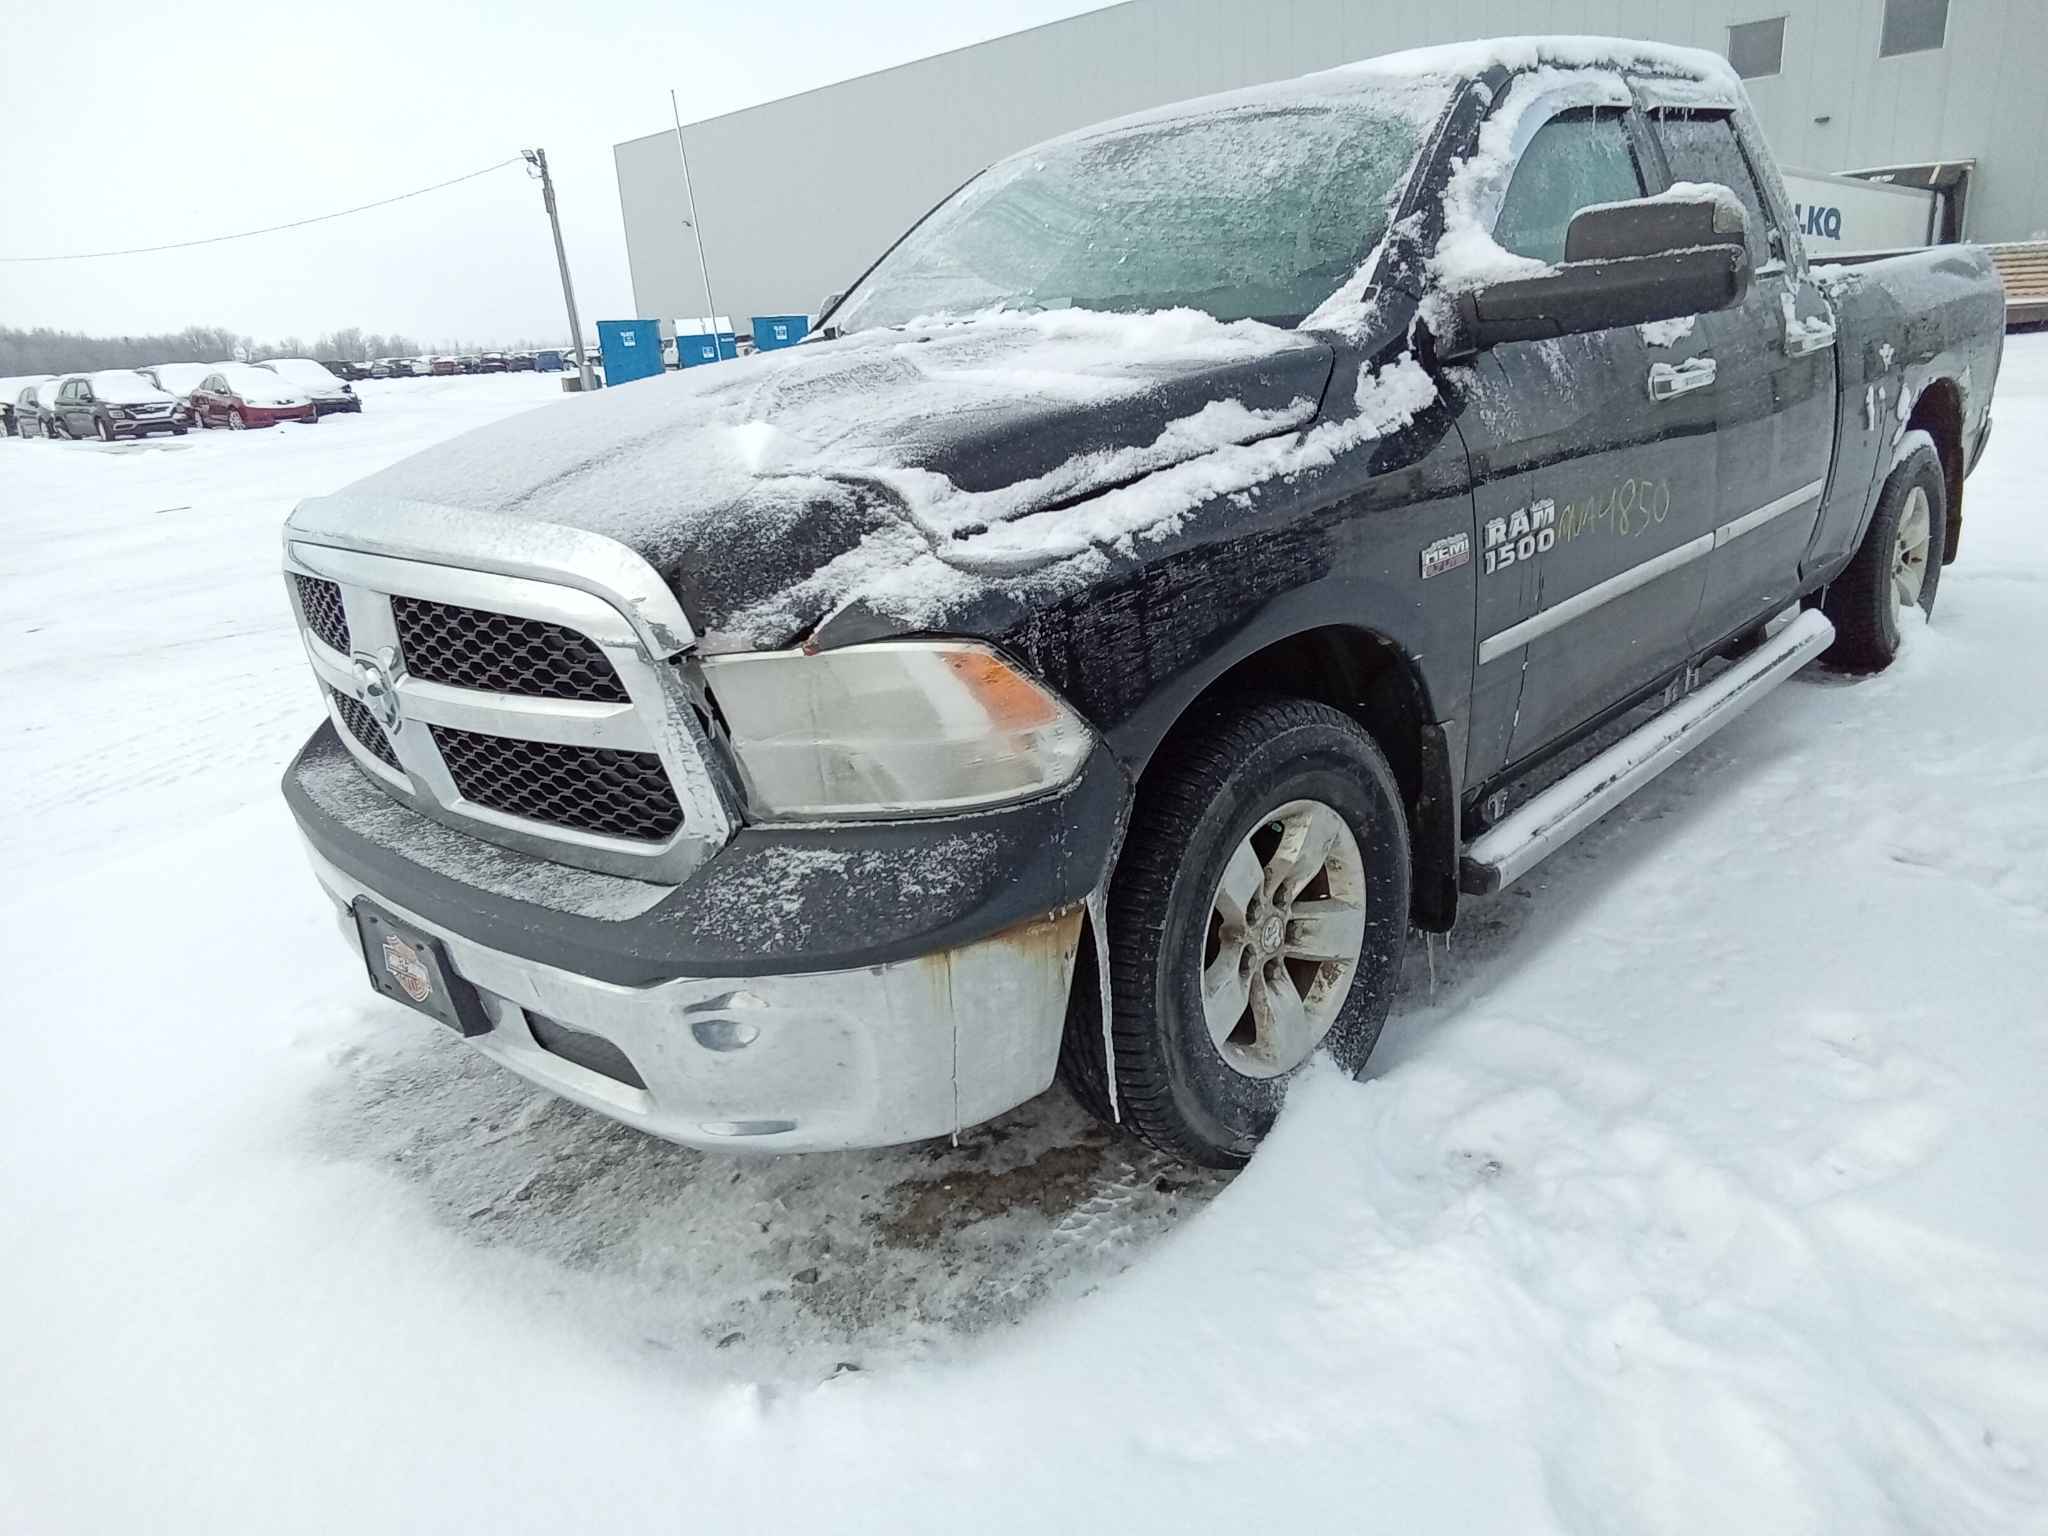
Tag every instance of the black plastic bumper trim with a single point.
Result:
(776, 900)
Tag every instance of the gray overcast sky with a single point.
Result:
(141, 124)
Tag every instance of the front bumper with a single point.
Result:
(892, 981)
(329, 407)
(799, 1063)
(132, 428)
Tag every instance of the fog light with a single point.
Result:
(725, 1034)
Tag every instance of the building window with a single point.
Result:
(1757, 48)
(1913, 26)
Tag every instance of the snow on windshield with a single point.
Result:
(1251, 211)
(119, 386)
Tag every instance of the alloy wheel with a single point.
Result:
(1286, 927)
(1909, 553)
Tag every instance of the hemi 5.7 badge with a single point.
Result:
(1446, 554)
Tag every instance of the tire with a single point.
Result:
(235, 422)
(178, 431)
(106, 433)
(1248, 777)
(1898, 563)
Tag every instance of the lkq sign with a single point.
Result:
(1847, 215)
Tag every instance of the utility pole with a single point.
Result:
(696, 232)
(538, 159)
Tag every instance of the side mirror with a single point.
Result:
(1656, 258)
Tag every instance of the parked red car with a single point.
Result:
(242, 395)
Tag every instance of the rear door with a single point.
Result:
(1775, 395)
(1595, 469)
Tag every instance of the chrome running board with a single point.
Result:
(1504, 853)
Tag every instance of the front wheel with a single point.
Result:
(235, 422)
(1256, 916)
(106, 432)
(1897, 566)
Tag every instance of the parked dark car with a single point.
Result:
(344, 370)
(491, 362)
(35, 407)
(444, 367)
(519, 362)
(10, 394)
(1144, 617)
(328, 393)
(117, 402)
(239, 395)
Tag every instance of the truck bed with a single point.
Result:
(1918, 337)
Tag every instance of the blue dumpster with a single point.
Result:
(772, 331)
(631, 349)
(691, 351)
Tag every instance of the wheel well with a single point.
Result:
(1939, 413)
(1369, 678)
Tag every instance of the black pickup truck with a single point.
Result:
(1202, 549)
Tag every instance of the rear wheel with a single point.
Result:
(1898, 566)
(1256, 916)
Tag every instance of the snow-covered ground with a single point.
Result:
(1707, 1190)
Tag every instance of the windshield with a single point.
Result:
(1245, 214)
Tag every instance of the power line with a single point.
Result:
(271, 229)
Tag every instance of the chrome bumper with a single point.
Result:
(830, 1060)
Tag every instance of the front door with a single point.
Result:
(74, 404)
(1595, 477)
(1775, 400)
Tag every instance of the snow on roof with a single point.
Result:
(181, 378)
(1440, 67)
(123, 386)
(1631, 55)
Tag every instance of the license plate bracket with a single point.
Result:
(412, 968)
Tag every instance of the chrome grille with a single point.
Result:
(593, 789)
(544, 714)
(364, 727)
(321, 603)
(469, 648)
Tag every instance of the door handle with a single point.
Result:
(1812, 336)
(1668, 380)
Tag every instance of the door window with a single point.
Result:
(1577, 159)
(1702, 146)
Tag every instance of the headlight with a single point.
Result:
(900, 726)
(118, 412)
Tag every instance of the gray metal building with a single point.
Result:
(797, 196)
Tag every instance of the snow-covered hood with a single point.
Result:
(768, 489)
